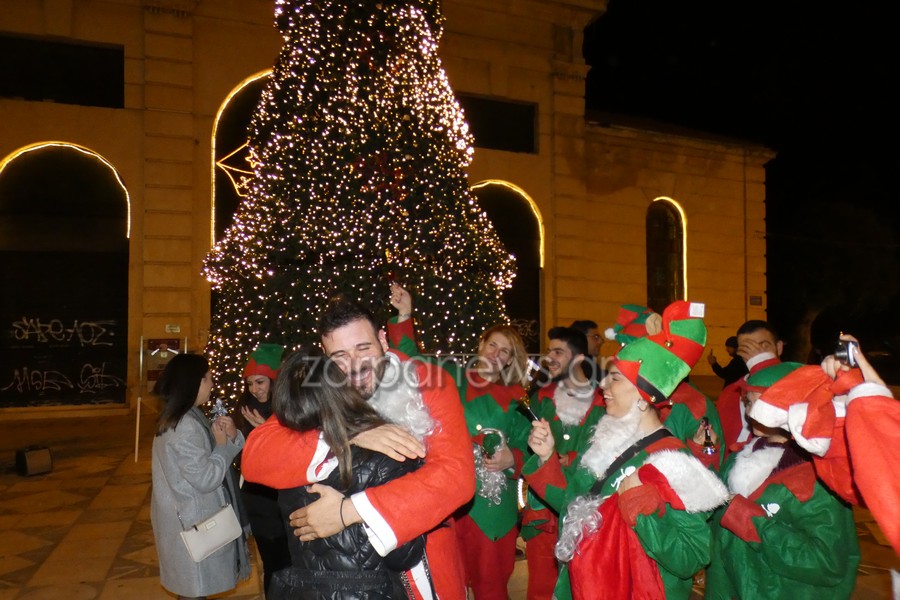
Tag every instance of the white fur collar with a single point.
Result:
(752, 467)
(698, 488)
(399, 400)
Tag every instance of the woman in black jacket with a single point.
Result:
(313, 393)
(260, 501)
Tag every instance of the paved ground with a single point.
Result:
(82, 532)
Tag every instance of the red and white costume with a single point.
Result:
(424, 398)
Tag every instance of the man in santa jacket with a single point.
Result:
(759, 346)
(783, 535)
(421, 402)
(635, 501)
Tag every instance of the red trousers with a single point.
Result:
(488, 564)
(542, 568)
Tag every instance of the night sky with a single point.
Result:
(812, 81)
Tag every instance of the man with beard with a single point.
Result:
(572, 406)
(635, 501)
(414, 397)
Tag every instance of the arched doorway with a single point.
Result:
(521, 229)
(64, 227)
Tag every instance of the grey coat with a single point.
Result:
(188, 471)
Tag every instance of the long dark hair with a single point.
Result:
(312, 392)
(178, 386)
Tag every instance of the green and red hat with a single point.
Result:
(656, 364)
(631, 324)
(265, 360)
(763, 379)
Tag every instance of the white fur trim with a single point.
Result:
(868, 389)
(697, 487)
(767, 414)
(755, 360)
(752, 467)
(321, 465)
(420, 580)
(377, 529)
(840, 406)
(797, 415)
(745, 432)
(610, 333)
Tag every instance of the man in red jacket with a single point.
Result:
(422, 403)
(760, 347)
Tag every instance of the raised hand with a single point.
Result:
(401, 300)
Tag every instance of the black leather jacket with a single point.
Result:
(345, 566)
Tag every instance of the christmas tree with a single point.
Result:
(359, 151)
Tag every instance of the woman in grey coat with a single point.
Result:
(192, 480)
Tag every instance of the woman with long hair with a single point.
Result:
(192, 480)
(312, 393)
(261, 501)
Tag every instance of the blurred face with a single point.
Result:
(205, 388)
(759, 429)
(558, 358)
(258, 386)
(593, 340)
(359, 351)
(757, 342)
(495, 354)
(619, 393)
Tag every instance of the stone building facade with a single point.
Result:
(589, 184)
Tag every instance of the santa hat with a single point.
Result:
(656, 364)
(633, 322)
(797, 398)
(265, 360)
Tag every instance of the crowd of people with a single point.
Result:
(372, 470)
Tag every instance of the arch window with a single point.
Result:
(666, 280)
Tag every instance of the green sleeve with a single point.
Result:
(678, 541)
(548, 483)
(810, 541)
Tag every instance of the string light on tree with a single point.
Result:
(360, 153)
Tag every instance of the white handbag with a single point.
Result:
(209, 535)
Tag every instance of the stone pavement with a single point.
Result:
(82, 531)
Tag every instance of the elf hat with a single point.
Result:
(762, 379)
(265, 360)
(633, 322)
(799, 401)
(656, 364)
